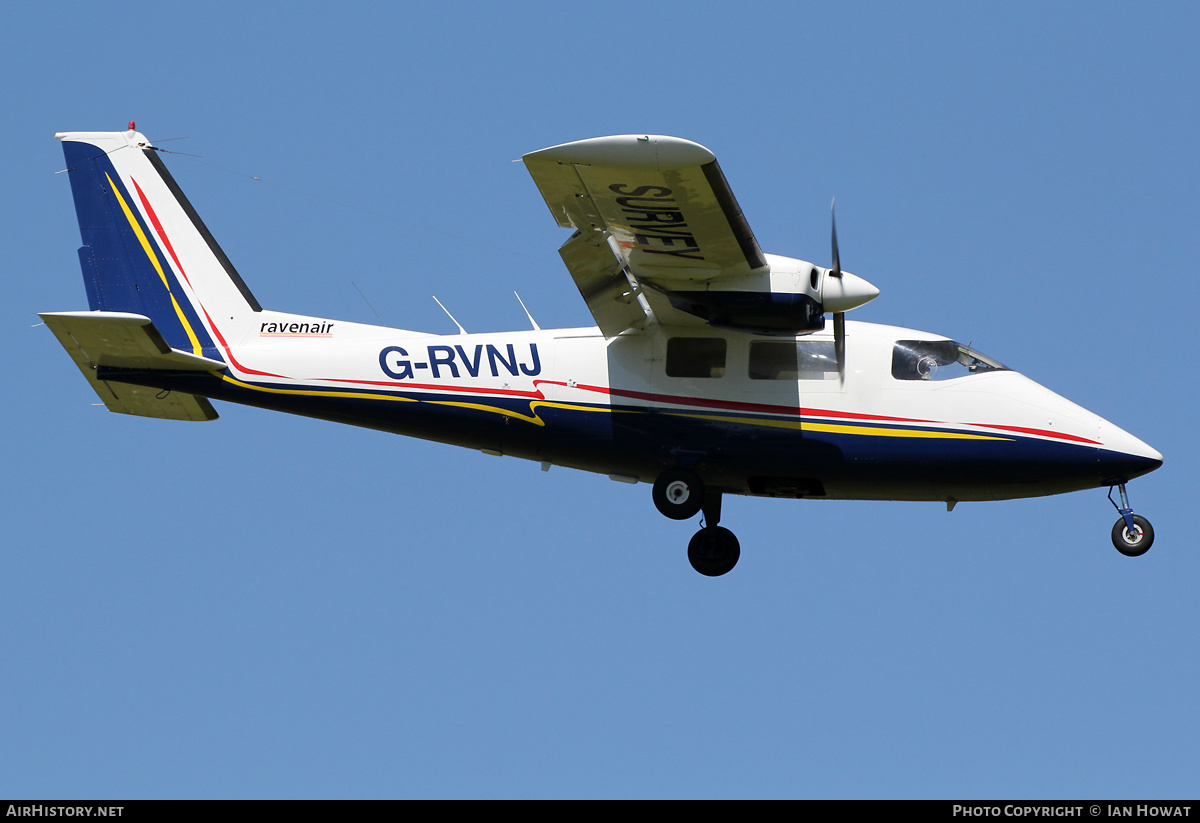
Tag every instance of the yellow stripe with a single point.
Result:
(196, 347)
(316, 392)
(838, 428)
(534, 405)
(534, 419)
(878, 432)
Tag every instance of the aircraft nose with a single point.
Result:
(1124, 457)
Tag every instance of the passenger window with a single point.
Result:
(696, 357)
(791, 360)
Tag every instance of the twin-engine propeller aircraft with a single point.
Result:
(711, 369)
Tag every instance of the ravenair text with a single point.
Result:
(311, 329)
(459, 361)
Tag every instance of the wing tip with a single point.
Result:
(658, 151)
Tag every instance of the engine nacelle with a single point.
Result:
(789, 299)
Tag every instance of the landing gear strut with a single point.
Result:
(680, 494)
(1132, 534)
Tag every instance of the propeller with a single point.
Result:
(839, 317)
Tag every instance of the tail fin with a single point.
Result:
(145, 250)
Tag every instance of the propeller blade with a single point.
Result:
(839, 343)
(839, 317)
(836, 269)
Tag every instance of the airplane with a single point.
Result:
(712, 369)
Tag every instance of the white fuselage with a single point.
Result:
(570, 397)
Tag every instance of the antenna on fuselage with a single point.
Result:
(365, 300)
(448, 314)
(536, 327)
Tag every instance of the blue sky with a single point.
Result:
(268, 606)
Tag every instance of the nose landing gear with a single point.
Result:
(679, 494)
(1132, 534)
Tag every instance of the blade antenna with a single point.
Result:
(368, 302)
(536, 327)
(448, 314)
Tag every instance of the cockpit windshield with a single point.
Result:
(938, 360)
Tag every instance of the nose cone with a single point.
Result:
(1123, 457)
(846, 292)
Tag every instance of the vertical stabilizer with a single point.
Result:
(145, 250)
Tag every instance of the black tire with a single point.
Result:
(679, 494)
(1133, 545)
(714, 551)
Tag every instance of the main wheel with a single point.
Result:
(713, 551)
(1136, 543)
(679, 493)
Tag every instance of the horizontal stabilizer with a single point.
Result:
(130, 341)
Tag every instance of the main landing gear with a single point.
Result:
(680, 494)
(1132, 534)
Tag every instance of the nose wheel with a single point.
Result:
(1132, 534)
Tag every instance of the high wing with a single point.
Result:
(663, 200)
(659, 237)
(647, 210)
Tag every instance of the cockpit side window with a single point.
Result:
(938, 360)
(696, 357)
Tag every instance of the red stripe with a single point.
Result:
(1042, 432)
(229, 352)
(158, 228)
(533, 395)
(764, 408)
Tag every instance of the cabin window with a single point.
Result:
(793, 360)
(937, 360)
(696, 357)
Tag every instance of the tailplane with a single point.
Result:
(116, 340)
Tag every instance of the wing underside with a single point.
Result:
(652, 215)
